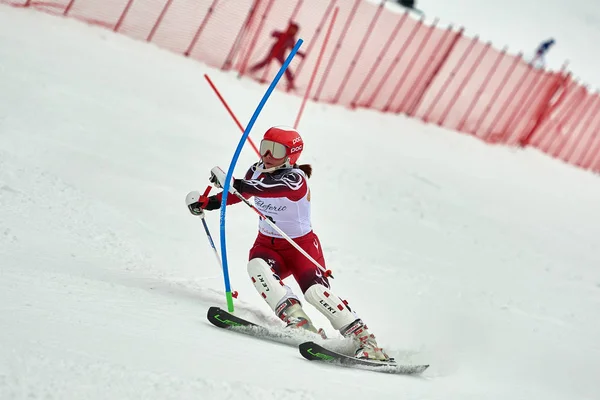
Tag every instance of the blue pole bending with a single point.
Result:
(229, 175)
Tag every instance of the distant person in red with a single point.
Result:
(285, 41)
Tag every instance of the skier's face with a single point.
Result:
(271, 162)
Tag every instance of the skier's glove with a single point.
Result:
(217, 178)
(197, 203)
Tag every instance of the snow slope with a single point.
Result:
(479, 260)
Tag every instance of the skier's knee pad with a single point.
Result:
(330, 305)
(267, 283)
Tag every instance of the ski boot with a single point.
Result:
(367, 347)
(290, 311)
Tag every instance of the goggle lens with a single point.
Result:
(277, 150)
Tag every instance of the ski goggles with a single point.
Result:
(277, 150)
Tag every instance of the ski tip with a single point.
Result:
(220, 318)
(212, 310)
(308, 344)
(315, 352)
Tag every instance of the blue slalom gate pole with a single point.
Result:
(236, 155)
(210, 239)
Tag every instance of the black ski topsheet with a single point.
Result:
(223, 319)
(290, 337)
(315, 352)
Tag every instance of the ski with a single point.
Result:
(225, 320)
(315, 352)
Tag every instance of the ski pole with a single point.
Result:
(286, 237)
(234, 294)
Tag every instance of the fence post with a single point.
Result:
(359, 50)
(417, 102)
(520, 107)
(566, 92)
(450, 78)
(378, 60)
(68, 8)
(315, 37)
(240, 36)
(411, 64)
(200, 28)
(425, 74)
(123, 15)
(530, 91)
(506, 103)
(496, 94)
(593, 114)
(261, 24)
(337, 49)
(581, 91)
(588, 158)
(481, 89)
(316, 67)
(159, 20)
(395, 61)
(566, 101)
(517, 116)
(591, 135)
(579, 120)
(546, 108)
(463, 84)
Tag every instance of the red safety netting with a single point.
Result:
(376, 58)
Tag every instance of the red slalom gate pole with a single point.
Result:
(237, 122)
(314, 73)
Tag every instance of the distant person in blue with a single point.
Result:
(539, 60)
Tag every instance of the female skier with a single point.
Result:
(280, 190)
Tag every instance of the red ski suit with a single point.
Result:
(284, 197)
(285, 41)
